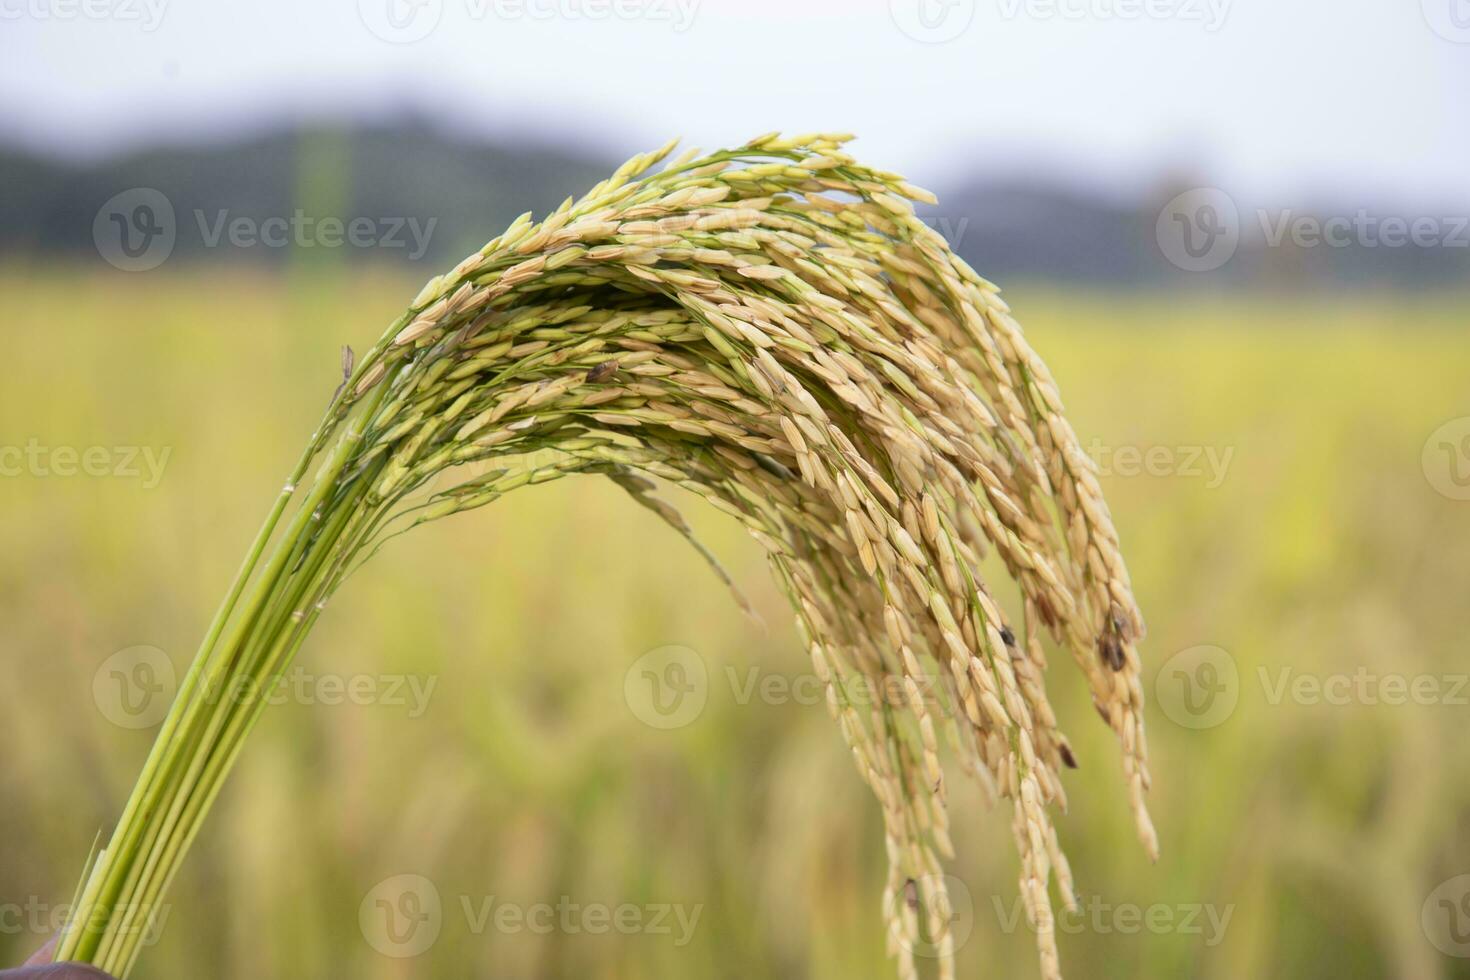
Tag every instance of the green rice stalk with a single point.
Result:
(771, 328)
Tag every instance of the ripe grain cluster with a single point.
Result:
(772, 328)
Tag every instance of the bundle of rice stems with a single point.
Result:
(772, 328)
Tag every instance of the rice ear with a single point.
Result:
(772, 329)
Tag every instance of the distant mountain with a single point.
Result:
(411, 191)
(390, 179)
(1010, 230)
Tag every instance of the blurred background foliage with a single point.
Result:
(1298, 839)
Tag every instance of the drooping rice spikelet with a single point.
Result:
(773, 329)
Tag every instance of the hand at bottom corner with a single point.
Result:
(40, 967)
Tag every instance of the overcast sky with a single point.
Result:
(1276, 100)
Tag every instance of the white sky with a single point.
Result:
(1285, 101)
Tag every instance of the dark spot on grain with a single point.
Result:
(773, 467)
(602, 372)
